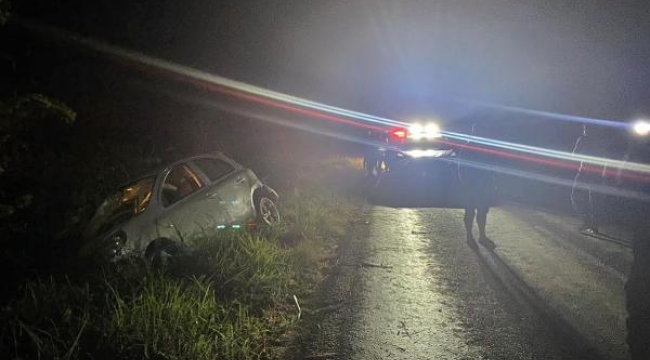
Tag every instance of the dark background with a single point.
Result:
(393, 58)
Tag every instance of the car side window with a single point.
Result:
(180, 183)
(213, 168)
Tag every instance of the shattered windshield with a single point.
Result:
(123, 204)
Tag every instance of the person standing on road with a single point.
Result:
(636, 208)
(583, 196)
(478, 190)
(373, 157)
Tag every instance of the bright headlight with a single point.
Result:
(416, 131)
(432, 131)
(641, 128)
(426, 131)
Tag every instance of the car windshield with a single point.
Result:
(123, 204)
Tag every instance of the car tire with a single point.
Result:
(267, 212)
(161, 252)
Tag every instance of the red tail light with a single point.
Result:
(398, 134)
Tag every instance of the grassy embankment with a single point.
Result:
(238, 300)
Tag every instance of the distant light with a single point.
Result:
(641, 128)
(236, 226)
(221, 227)
(418, 153)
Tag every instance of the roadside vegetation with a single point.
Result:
(240, 295)
(237, 297)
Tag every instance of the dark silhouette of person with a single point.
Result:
(373, 158)
(583, 196)
(478, 190)
(636, 208)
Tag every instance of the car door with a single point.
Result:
(232, 184)
(185, 198)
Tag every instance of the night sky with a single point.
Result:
(395, 58)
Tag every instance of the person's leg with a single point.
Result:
(469, 222)
(367, 164)
(590, 210)
(481, 219)
(579, 201)
(637, 293)
(370, 162)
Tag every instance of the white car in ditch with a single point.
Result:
(158, 214)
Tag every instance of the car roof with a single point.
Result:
(217, 155)
(136, 179)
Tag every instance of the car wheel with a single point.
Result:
(161, 252)
(267, 212)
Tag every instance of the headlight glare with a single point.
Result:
(427, 131)
(641, 128)
(432, 131)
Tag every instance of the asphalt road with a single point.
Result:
(406, 286)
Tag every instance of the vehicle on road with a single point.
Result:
(400, 148)
(158, 214)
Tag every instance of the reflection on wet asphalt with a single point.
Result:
(416, 291)
(405, 312)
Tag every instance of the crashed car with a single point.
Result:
(157, 214)
(403, 147)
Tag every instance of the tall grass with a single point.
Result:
(227, 309)
(184, 320)
(249, 267)
(233, 298)
(50, 320)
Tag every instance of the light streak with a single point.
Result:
(284, 106)
(600, 188)
(191, 73)
(556, 154)
(332, 113)
(548, 114)
(625, 172)
(263, 116)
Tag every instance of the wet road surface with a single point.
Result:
(406, 286)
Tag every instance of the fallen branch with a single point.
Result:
(297, 305)
(365, 264)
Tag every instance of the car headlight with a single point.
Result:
(641, 128)
(424, 131)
